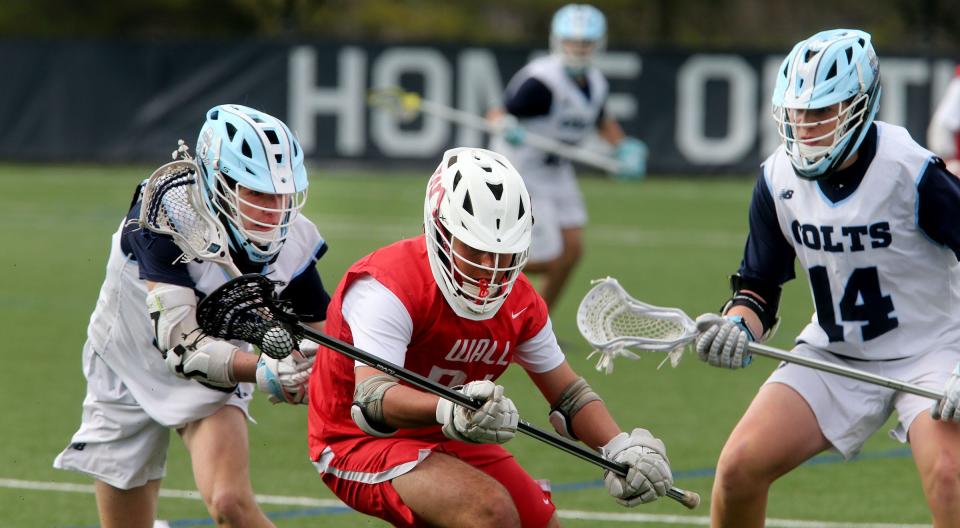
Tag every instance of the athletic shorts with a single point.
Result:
(118, 442)
(849, 411)
(557, 205)
(361, 478)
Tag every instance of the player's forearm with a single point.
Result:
(245, 367)
(407, 408)
(594, 426)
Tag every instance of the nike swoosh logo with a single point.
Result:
(514, 315)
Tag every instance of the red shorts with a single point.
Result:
(361, 476)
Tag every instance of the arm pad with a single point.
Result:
(762, 298)
(367, 407)
(571, 400)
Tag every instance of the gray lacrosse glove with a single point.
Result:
(648, 474)
(211, 363)
(493, 423)
(948, 409)
(723, 341)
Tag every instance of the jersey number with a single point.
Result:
(862, 301)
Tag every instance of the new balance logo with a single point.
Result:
(514, 315)
(786, 194)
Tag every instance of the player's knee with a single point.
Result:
(738, 471)
(493, 508)
(230, 507)
(943, 481)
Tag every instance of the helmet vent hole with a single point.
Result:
(849, 54)
(272, 137)
(250, 170)
(467, 205)
(296, 150)
(833, 71)
(245, 149)
(256, 119)
(498, 227)
(456, 180)
(278, 157)
(808, 56)
(453, 159)
(214, 115)
(520, 214)
(231, 131)
(496, 189)
(487, 169)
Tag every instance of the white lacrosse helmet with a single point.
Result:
(831, 67)
(577, 32)
(476, 198)
(240, 147)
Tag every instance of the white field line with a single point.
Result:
(563, 514)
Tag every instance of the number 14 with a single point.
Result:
(862, 300)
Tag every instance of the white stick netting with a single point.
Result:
(612, 321)
(173, 205)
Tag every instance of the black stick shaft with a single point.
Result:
(687, 498)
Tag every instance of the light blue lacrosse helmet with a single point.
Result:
(242, 150)
(578, 22)
(831, 67)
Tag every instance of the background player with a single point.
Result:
(453, 306)
(139, 357)
(943, 132)
(871, 217)
(561, 96)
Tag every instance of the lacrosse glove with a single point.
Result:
(287, 379)
(493, 423)
(723, 341)
(211, 364)
(631, 154)
(648, 474)
(510, 129)
(948, 409)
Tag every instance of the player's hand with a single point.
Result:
(648, 473)
(948, 409)
(493, 423)
(287, 379)
(723, 341)
(210, 364)
(631, 154)
(510, 129)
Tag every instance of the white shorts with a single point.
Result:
(118, 442)
(557, 205)
(849, 411)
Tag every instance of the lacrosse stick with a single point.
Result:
(246, 308)
(408, 104)
(173, 205)
(611, 321)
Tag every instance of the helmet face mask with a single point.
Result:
(577, 33)
(477, 226)
(826, 97)
(253, 178)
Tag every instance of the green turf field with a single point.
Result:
(669, 242)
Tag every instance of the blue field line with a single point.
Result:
(829, 458)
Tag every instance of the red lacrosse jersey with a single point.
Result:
(444, 347)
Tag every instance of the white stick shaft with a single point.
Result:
(546, 144)
(841, 370)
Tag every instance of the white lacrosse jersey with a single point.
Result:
(572, 115)
(121, 332)
(883, 286)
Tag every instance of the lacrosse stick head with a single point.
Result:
(173, 205)
(405, 105)
(246, 308)
(612, 321)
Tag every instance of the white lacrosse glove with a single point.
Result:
(648, 473)
(723, 341)
(211, 363)
(948, 409)
(287, 379)
(493, 423)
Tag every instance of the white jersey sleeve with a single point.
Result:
(540, 353)
(379, 322)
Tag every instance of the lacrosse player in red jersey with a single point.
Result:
(943, 132)
(453, 306)
(871, 216)
(147, 374)
(561, 96)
